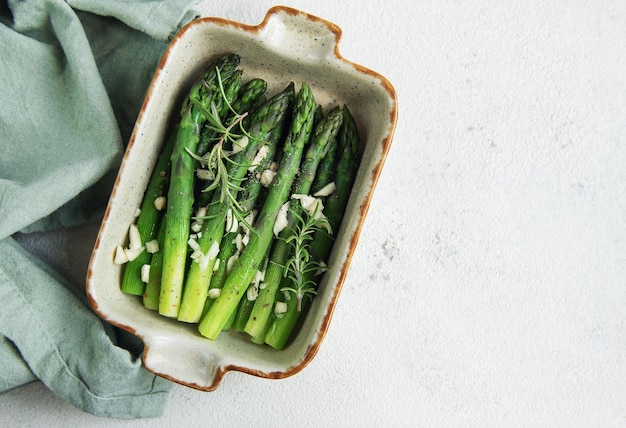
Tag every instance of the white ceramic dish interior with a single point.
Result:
(289, 45)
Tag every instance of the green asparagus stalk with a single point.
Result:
(181, 191)
(264, 124)
(278, 193)
(249, 94)
(250, 97)
(214, 130)
(153, 287)
(348, 139)
(346, 169)
(322, 141)
(246, 303)
(148, 220)
(250, 197)
(229, 322)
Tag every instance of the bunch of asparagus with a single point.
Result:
(239, 217)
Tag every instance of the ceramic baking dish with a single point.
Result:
(287, 45)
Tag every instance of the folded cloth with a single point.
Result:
(74, 74)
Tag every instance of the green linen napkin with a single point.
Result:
(73, 75)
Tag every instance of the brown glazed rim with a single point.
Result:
(376, 172)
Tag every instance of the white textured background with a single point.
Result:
(489, 285)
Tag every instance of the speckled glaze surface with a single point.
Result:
(288, 45)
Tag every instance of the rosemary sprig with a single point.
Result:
(216, 161)
(301, 267)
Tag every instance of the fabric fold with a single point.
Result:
(74, 75)
(67, 347)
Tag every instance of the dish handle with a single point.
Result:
(182, 361)
(298, 33)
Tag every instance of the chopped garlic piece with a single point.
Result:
(231, 222)
(238, 241)
(273, 166)
(160, 203)
(202, 259)
(120, 256)
(205, 175)
(134, 237)
(281, 219)
(137, 212)
(216, 265)
(133, 253)
(152, 246)
(252, 293)
(260, 155)
(231, 262)
(249, 219)
(214, 293)
(326, 190)
(280, 308)
(145, 273)
(258, 277)
(214, 250)
(266, 178)
(312, 205)
(193, 244)
(240, 144)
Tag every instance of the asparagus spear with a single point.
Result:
(251, 197)
(241, 314)
(153, 287)
(148, 220)
(267, 119)
(281, 328)
(180, 195)
(249, 93)
(278, 193)
(251, 97)
(321, 142)
(346, 169)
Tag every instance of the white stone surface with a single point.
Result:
(489, 285)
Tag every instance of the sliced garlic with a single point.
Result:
(231, 222)
(214, 250)
(152, 246)
(120, 256)
(205, 175)
(145, 273)
(281, 219)
(239, 144)
(313, 206)
(133, 253)
(280, 308)
(267, 177)
(252, 293)
(327, 190)
(134, 237)
(160, 203)
(231, 262)
(260, 155)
